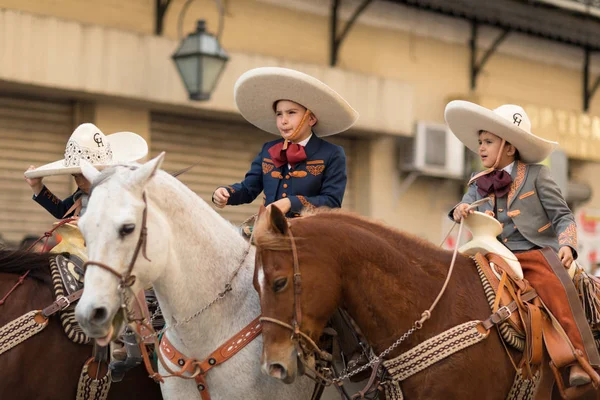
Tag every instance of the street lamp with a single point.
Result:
(200, 59)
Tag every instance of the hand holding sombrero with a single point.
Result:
(89, 143)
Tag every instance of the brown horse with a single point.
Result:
(48, 365)
(385, 279)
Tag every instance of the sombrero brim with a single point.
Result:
(466, 120)
(256, 91)
(126, 147)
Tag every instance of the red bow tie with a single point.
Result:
(294, 154)
(496, 182)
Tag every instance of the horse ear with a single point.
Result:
(89, 171)
(277, 221)
(142, 175)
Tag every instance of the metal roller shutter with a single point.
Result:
(224, 151)
(32, 131)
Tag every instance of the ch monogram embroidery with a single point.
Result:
(98, 139)
(569, 236)
(517, 118)
(305, 202)
(315, 170)
(267, 167)
(231, 189)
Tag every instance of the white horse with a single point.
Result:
(193, 253)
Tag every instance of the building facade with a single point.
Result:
(70, 61)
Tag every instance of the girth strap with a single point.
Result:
(21, 329)
(61, 303)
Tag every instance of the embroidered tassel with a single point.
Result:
(589, 295)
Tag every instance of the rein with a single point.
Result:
(47, 235)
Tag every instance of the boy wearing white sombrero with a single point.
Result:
(86, 143)
(299, 169)
(536, 222)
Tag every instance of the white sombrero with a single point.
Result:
(89, 143)
(257, 90)
(510, 122)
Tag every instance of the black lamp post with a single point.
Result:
(200, 60)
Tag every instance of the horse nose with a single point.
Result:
(99, 316)
(278, 371)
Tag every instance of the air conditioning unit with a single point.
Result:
(434, 151)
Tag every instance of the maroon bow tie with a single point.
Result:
(496, 182)
(294, 154)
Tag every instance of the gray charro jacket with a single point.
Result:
(533, 213)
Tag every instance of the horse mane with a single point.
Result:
(266, 239)
(20, 261)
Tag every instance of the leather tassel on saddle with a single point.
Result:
(588, 287)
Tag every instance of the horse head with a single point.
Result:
(126, 254)
(292, 319)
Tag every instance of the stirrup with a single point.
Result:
(578, 377)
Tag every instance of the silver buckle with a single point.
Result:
(504, 313)
(68, 303)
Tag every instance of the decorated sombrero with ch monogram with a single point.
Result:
(89, 143)
(257, 90)
(509, 122)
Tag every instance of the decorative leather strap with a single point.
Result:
(61, 303)
(505, 312)
(219, 356)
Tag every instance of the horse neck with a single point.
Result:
(204, 252)
(388, 278)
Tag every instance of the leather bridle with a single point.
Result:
(127, 279)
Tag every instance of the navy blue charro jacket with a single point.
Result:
(54, 205)
(318, 181)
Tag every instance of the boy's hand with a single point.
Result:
(35, 183)
(283, 204)
(461, 212)
(566, 256)
(220, 197)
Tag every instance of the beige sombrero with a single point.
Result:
(256, 91)
(510, 122)
(88, 143)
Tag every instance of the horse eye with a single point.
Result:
(279, 284)
(126, 229)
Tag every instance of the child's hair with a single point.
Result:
(277, 101)
(517, 156)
